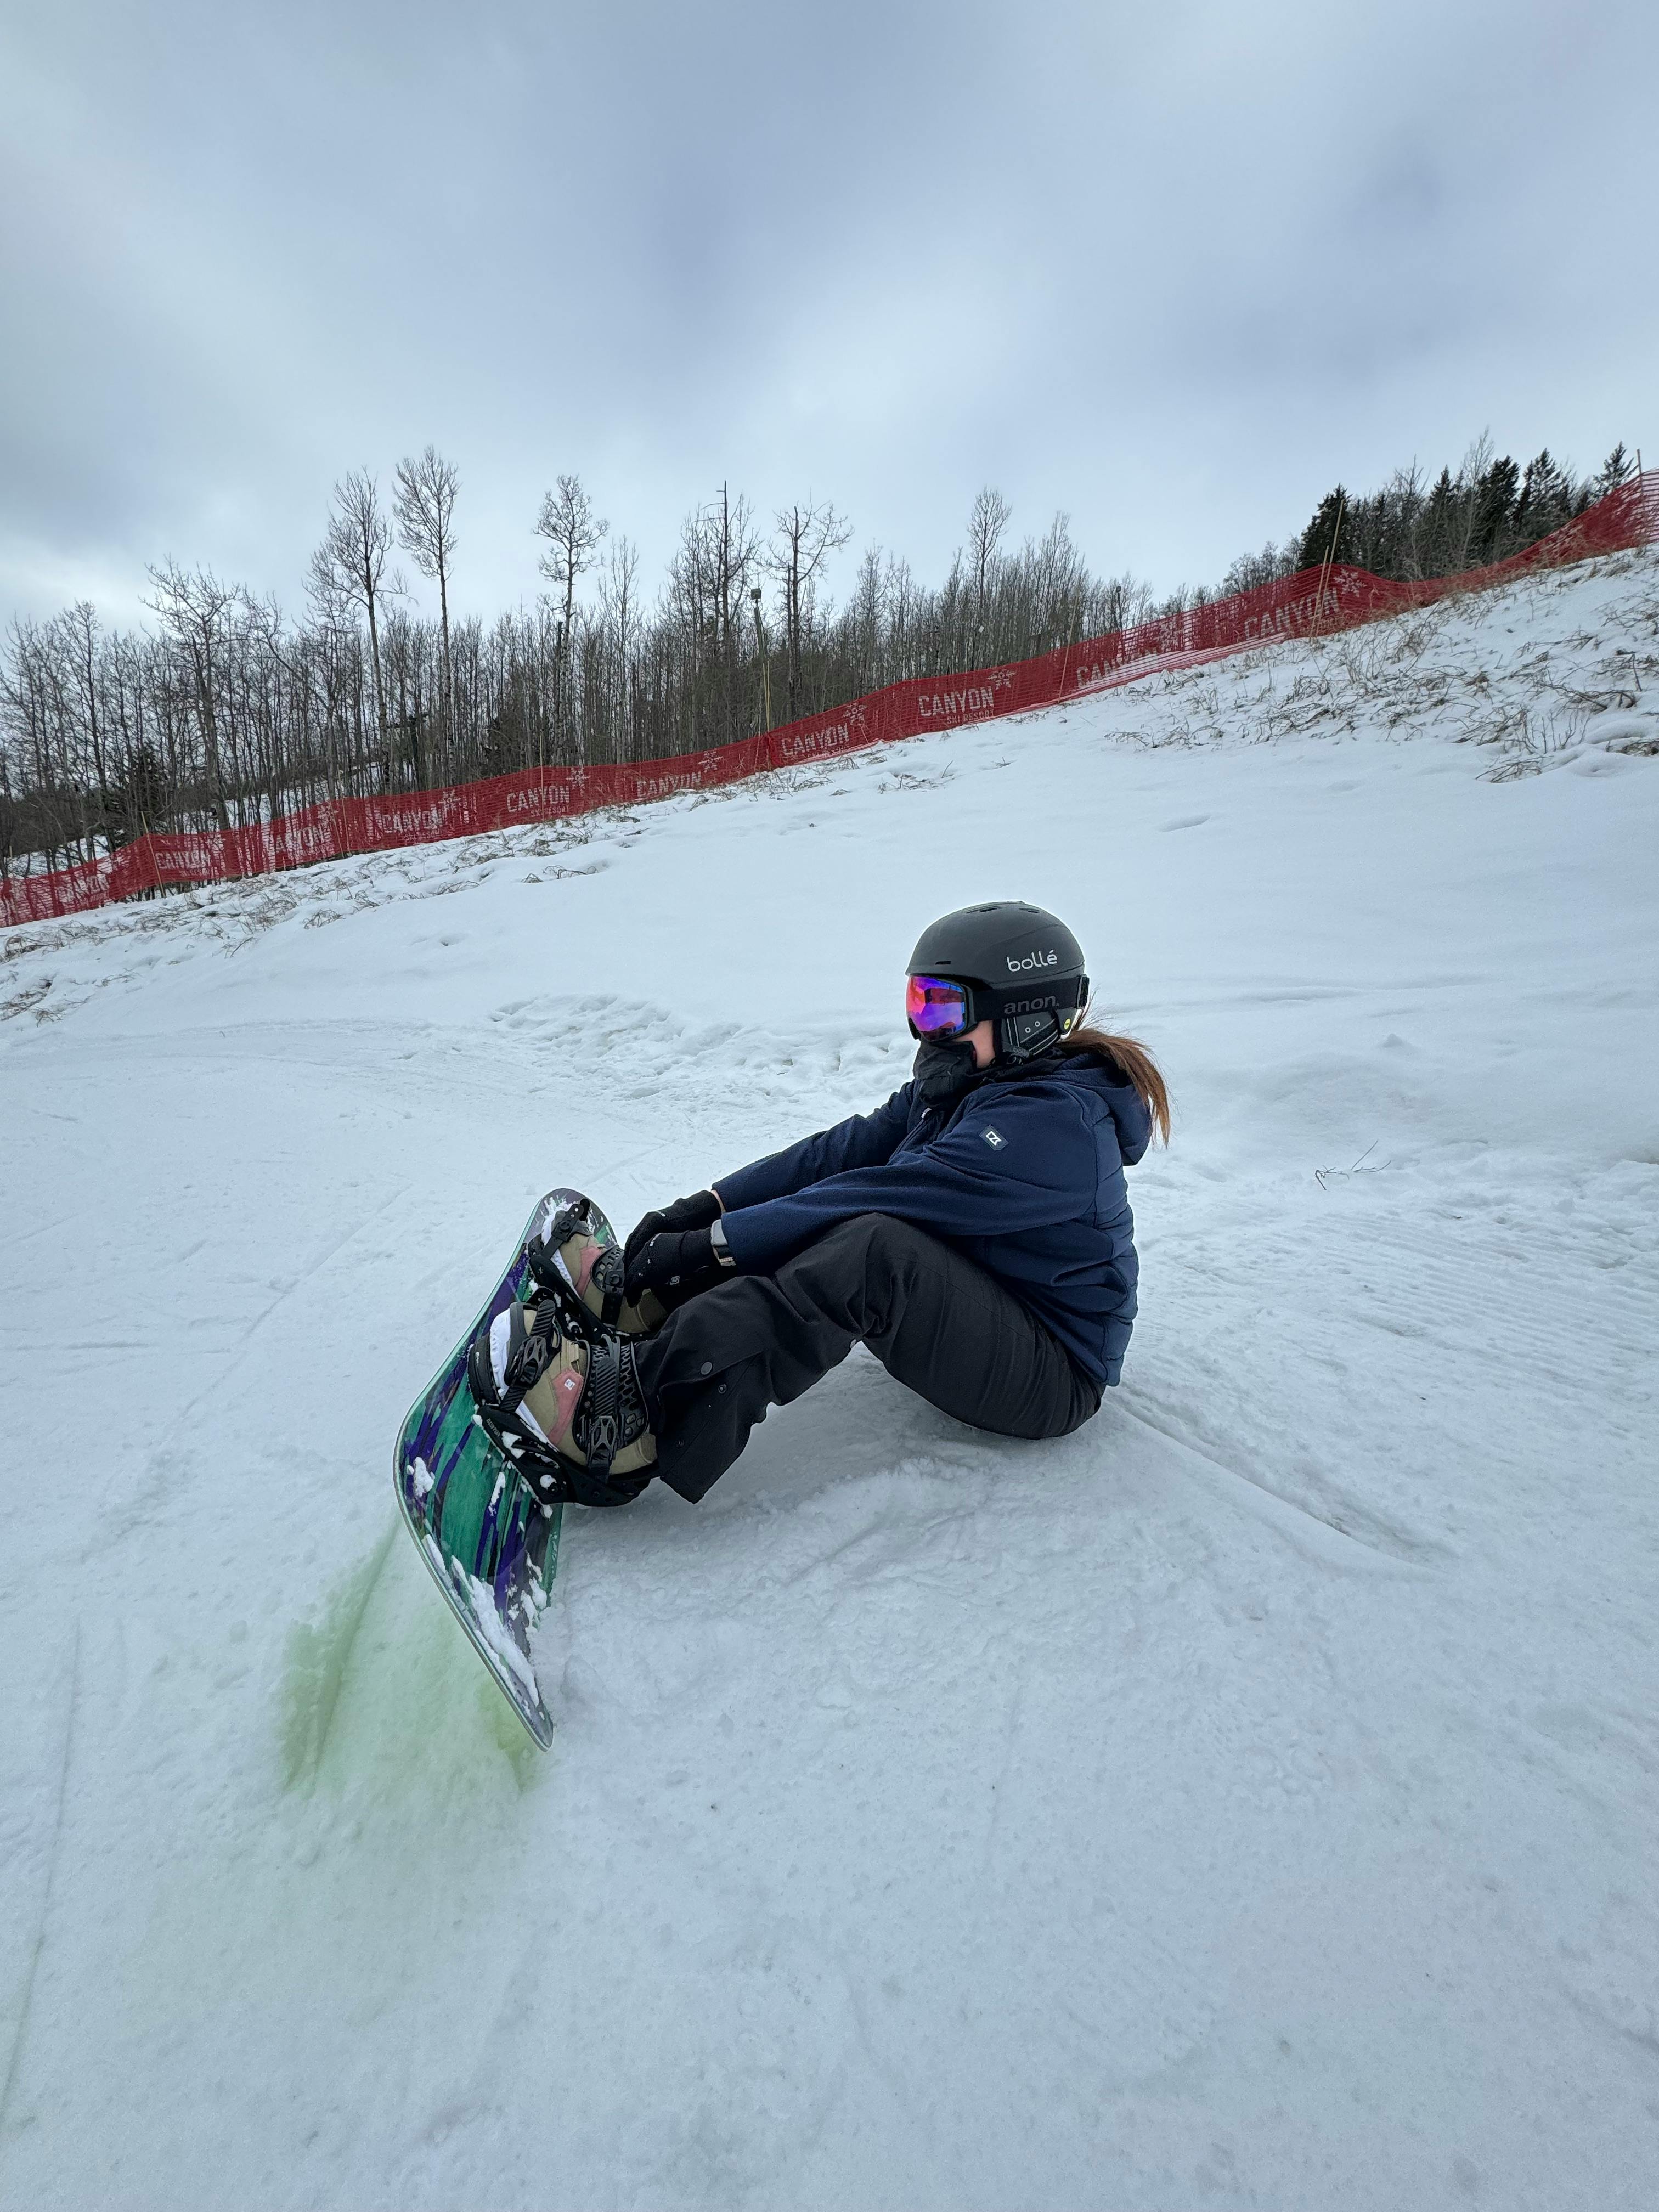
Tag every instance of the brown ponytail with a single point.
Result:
(1132, 1063)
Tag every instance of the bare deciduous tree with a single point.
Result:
(621, 619)
(195, 610)
(573, 531)
(347, 569)
(802, 541)
(425, 499)
(986, 524)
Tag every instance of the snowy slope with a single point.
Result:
(1250, 1799)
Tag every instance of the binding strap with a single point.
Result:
(600, 1431)
(601, 1264)
(543, 1249)
(605, 1265)
(531, 1353)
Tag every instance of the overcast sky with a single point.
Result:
(1174, 270)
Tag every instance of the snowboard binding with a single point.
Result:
(566, 1408)
(575, 1258)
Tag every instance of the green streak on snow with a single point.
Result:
(318, 1655)
(382, 1693)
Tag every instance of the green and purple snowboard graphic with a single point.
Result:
(492, 1545)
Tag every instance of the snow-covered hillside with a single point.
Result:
(1249, 1800)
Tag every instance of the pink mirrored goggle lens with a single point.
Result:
(935, 1009)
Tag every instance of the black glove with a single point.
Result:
(674, 1266)
(694, 1212)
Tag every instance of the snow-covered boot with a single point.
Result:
(574, 1253)
(566, 1410)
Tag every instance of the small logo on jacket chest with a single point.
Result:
(995, 1140)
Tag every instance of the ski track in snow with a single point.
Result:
(1249, 1799)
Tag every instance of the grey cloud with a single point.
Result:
(1174, 271)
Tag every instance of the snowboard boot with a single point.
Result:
(573, 1254)
(566, 1410)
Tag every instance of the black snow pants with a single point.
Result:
(935, 1320)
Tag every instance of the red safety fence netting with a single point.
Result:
(1316, 601)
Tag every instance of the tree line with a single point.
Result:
(1491, 508)
(226, 712)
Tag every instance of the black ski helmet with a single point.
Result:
(1020, 965)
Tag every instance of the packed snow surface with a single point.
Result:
(1251, 1800)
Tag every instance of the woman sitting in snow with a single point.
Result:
(975, 1232)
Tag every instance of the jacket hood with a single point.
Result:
(1085, 1072)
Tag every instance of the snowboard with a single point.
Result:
(491, 1545)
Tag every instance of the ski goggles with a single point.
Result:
(940, 1006)
(935, 1008)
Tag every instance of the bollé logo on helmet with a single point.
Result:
(1031, 960)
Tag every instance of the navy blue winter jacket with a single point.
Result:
(1025, 1177)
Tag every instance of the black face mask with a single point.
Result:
(944, 1072)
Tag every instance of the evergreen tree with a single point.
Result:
(1618, 469)
(1327, 535)
(1442, 525)
(1494, 512)
(1546, 500)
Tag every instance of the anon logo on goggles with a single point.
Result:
(935, 1008)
